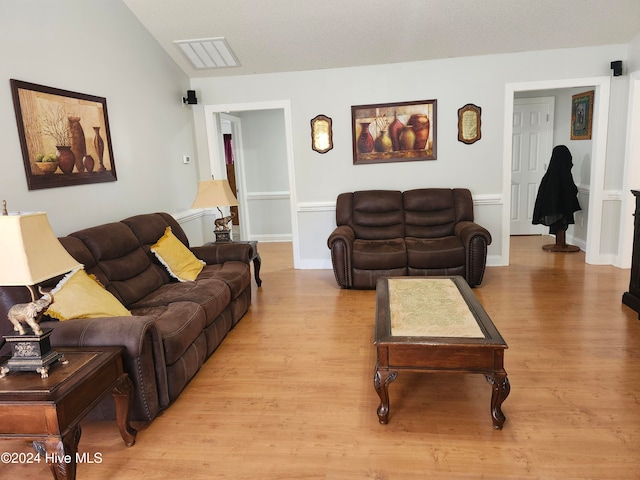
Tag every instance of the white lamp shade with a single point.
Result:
(29, 250)
(214, 193)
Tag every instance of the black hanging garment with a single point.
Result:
(557, 196)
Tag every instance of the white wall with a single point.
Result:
(98, 47)
(631, 175)
(453, 82)
(265, 169)
(633, 63)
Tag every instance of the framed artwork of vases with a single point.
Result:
(64, 136)
(394, 132)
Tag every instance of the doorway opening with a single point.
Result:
(255, 206)
(229, 161)
(601, 85)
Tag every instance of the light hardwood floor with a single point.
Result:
(289, 394)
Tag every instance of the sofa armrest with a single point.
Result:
(466, 230)
(342, 233)
(340, 242)
(475, 239)
(219, 253)
(143, 357)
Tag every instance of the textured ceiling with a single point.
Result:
(292, 35)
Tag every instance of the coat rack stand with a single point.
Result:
(561, 244)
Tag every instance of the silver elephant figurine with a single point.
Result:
(29, 313)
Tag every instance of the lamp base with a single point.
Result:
(31, 353)
(223, 236)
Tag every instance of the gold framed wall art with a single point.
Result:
(582, 115)
(394, 132)
(64, 136)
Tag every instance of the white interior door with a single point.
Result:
(532, 142)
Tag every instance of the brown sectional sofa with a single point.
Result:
(174, 327)
(428, 231)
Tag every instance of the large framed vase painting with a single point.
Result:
(394, 132)
(64, 136)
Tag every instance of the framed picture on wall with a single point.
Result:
(394, 132)
(469, 124)
(64, 136)
(582, 115)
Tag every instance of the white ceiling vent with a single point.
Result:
(208, 52)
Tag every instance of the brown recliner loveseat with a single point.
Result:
(429, 231)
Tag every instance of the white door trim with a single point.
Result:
(599, 137)
(241, 184)
(631, 176)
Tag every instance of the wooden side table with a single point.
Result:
(255, 257)
(49, 410)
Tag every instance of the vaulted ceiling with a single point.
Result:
(292, 35)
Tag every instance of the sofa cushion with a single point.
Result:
(121, 259)
(149, 227)
(78, 250)
(435, 253)
(367, 279)
(377, 214)
(236, 275)
(429, 213)
(379, 254)
(179, 261)
(211, 294)
(179, 324)
(78, 295)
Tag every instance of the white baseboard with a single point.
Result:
(318, 264)
(578, 242)
(275, 237)
(494, 261)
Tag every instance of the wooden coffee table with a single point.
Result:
(49, 410)
(436, 324)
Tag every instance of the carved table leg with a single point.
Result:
(501, 388)
(60, 454)
(123, 398)
(381, 381)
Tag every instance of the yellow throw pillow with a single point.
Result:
(177, 258)
(79, 295)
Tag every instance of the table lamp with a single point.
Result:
(217, 193)
(30, 253)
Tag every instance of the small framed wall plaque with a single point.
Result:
(469, 124)
(321, 134)
(582, 115)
